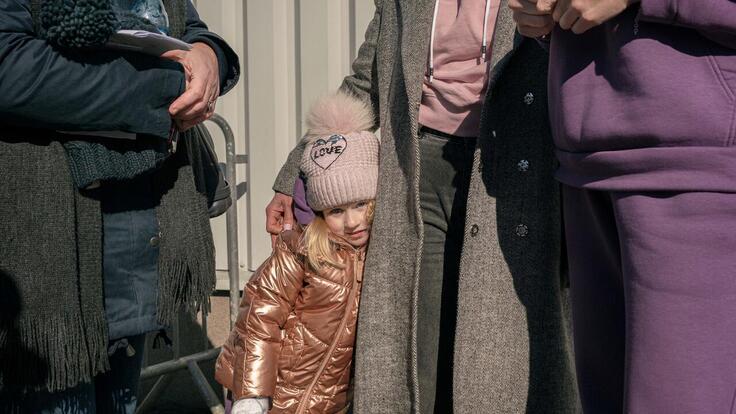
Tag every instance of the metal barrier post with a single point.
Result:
(233, 267)
(190, 362)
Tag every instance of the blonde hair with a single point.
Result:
(320, 249)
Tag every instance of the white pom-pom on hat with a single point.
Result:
(338, 113)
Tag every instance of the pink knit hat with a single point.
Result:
(340, 161)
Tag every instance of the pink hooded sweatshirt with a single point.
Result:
(457, 69)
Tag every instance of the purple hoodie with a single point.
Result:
(646, 101)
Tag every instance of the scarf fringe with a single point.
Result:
(73, 358)
(184, 285)
(187, 252)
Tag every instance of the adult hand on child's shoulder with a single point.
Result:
(202, 72)
(279, 216)
(251, 406)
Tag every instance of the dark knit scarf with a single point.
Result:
(53, 332)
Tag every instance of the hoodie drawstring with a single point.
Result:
(483, 47)
(431, 41)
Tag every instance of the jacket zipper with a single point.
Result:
(636, 25)
(348, 309)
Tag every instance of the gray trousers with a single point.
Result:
(446, 163)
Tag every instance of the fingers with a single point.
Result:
(534, 26)
(533, 18)
(199, 111)
(578, 16)
(279, 216)
(560, 9)
(278, 213)
(581, 26)
(546, 6)
(197, 103)
(533, 21)
(212, 104)
(592, 14)
(568, 19)
(175, 55)
(192, 99)
(528, 7)
(274, 217)
(535, 32)
(182, 126)
(288, 214)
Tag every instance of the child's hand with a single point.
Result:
(250, 406)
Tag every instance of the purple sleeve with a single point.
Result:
(715, 19)
(302, 211)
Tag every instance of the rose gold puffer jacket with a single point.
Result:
(294, 337)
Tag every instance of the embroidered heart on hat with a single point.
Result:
(325, 152)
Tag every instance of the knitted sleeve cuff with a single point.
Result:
(90, 162)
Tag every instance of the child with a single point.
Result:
(292, 345)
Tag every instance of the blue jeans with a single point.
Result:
(130, 257)
(113, 392)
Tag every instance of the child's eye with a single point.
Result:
(361, 204)
(335, 211)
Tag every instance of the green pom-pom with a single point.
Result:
(77, 24)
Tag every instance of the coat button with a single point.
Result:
(154, 241)
(522, 230)
(523, 165)
(529, 98)
(474, 229)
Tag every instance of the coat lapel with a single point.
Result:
(504, 41)
(416, 28)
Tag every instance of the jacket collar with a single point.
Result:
(344, 244)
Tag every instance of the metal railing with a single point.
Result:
(164, 370)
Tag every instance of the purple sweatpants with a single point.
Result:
(653, 287)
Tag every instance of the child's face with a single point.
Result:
(350, 222)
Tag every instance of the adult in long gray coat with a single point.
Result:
(511, 343)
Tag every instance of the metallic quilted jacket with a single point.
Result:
(294, 337)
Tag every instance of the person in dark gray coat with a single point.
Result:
(105, 236)
(464, 302)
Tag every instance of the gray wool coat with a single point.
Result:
(512, 349)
